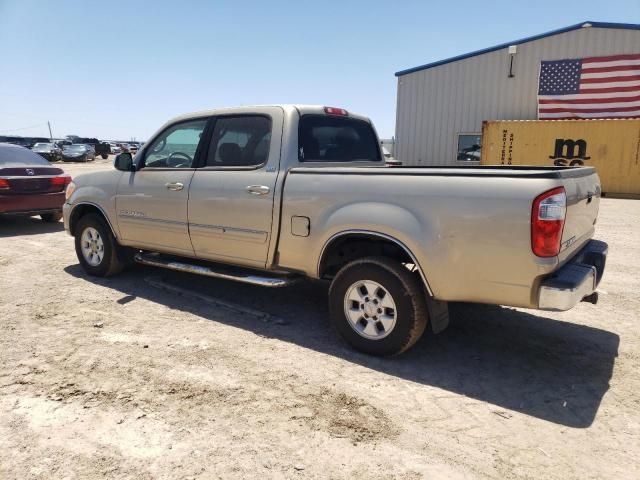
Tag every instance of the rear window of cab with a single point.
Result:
(324, 138)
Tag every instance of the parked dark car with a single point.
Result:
(30, 185)
(78, 153)
(27, 142)
(22, 141)
(50, 151)
(100, 148)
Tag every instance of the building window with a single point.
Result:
(469, 147)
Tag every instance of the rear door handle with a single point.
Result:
(175, 186)
(258, 189)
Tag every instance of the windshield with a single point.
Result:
(43, 146)
(75, 148)
(324, 138)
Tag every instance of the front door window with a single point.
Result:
(176, 147)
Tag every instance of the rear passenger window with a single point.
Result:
(325, 138)
(240, 142)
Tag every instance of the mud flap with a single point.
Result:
(438, 314)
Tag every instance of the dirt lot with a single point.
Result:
(124, 377)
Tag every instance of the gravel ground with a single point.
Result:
(126, 377)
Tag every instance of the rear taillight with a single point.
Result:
(335, 111)
(547, 222)
(4, 184)
(61, 181)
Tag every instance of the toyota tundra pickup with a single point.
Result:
(267, 195)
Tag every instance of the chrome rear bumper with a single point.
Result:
(575, 280)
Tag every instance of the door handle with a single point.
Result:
(174, 186)
(258, 189)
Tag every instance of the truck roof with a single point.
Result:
(302, 109)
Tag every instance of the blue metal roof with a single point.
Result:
(577, 26)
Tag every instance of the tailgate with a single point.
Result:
(583, 201)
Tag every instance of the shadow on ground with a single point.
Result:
(549, 369)
(13, 226)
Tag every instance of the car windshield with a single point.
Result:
(75, 148)
(15, 156)
(43, 146)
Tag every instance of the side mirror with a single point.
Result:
(124, 162)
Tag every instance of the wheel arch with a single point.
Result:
(355, 237)
(85, 208)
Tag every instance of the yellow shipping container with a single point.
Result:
(612, 146)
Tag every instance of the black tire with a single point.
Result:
(113, 259)
(53, 217)
(405, 288)
(104, 156)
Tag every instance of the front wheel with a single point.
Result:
(97, 248)
(378, 306)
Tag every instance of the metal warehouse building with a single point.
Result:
(441, 105)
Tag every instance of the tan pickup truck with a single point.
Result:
(267, 195)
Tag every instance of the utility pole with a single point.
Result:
(49, 125)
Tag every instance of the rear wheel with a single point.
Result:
(104, 156)
(51, 217)
(378, 306)
(96, 247)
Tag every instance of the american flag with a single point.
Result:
(594, 87)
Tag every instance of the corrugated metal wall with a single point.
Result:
(436, 104)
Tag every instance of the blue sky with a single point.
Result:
(119, 69)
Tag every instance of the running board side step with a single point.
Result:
(237, 275)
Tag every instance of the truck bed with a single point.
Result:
(470, 226)
(500, 171)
